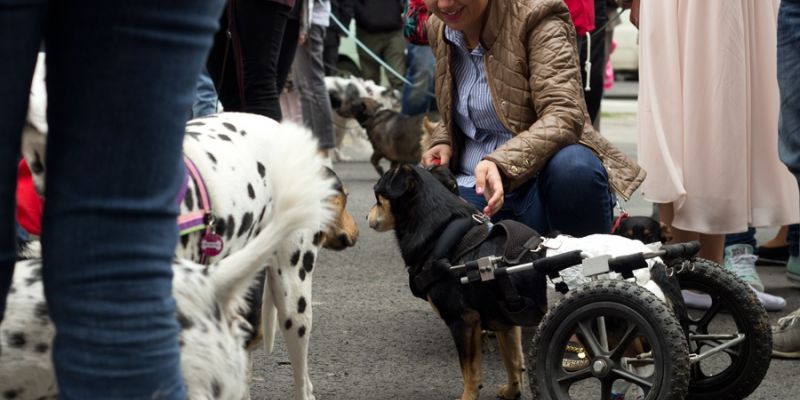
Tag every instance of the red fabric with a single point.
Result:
(29, 204)
(582, 12)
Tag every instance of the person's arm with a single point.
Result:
(635, 13)
(555, 83)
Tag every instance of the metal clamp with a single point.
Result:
(486, 269)
(596, 265)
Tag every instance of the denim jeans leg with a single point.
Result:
(205, 102)
(789, 83)
(419, 71)
(120, 79)
(747, 237)
(793, 240)
(575, 193)
(21, 30)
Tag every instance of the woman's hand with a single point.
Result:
(437, 155)
(490, 185)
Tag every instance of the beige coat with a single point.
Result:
(534, 79)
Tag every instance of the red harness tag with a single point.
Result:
(211, 244)
(618, 222)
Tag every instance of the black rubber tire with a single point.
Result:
(750, 359)
(620, 300)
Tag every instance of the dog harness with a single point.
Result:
(211, 244)
(464, 235)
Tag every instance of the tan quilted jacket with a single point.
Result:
(535, 82)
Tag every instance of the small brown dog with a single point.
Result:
(394, 136)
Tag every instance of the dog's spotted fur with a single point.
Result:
(210, 299)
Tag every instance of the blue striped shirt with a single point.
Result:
(474, 113)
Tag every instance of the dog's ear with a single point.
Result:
(443, 174)
(351, 92)
(396, 182)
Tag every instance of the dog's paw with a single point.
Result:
(509, 392)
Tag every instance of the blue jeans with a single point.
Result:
(789, 83)
(205, 102)
(570, 195)
(120, 80)
(417, 98)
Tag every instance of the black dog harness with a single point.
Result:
(464, 235)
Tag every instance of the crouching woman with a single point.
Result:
(514, 129)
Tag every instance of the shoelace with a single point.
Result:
(788, 320)
(743, 264)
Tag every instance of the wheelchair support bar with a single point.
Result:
(678, 250)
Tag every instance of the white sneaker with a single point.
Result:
(740, 260)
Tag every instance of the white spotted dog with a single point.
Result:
(210, 298)
(229, 153)
(229, 150)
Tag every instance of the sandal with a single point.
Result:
(575, 357)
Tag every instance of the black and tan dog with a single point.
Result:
(394, 136)
(424, 213)
(642, 228)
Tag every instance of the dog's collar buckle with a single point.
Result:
(482, 219)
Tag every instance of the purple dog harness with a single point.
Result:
(211, 244)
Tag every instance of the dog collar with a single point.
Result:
(211, 244)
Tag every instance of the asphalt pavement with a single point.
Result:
(372, 339)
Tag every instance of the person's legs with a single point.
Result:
(21, 32)
(746, 237)
(575, 194)
(571, 195)
(114, 167)
(789, 84)
(597, 56)
(288, 49)
(419, 71)
(261, 25)
(310, 78)
(394, 54)
(330, 54)
(789, 127)
(205, 102)
(370, 69)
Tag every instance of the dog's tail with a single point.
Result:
(299, 192)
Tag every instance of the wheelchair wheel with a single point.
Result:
(635, 346)
(734, 372)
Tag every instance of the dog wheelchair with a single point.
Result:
(638, 346)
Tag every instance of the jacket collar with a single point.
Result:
(494, 22)
(497, 10)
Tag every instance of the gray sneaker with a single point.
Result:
(740, 260)
(786, 336)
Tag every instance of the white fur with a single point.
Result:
(600, 245)
(298, 207)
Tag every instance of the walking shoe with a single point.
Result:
(772, 255)
(770, 301)
(740, 260)
(786, 336)
(575, 357)
(699, 301)
(793, 269)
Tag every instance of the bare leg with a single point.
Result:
(711, 246)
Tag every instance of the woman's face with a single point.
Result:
(462, 15)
